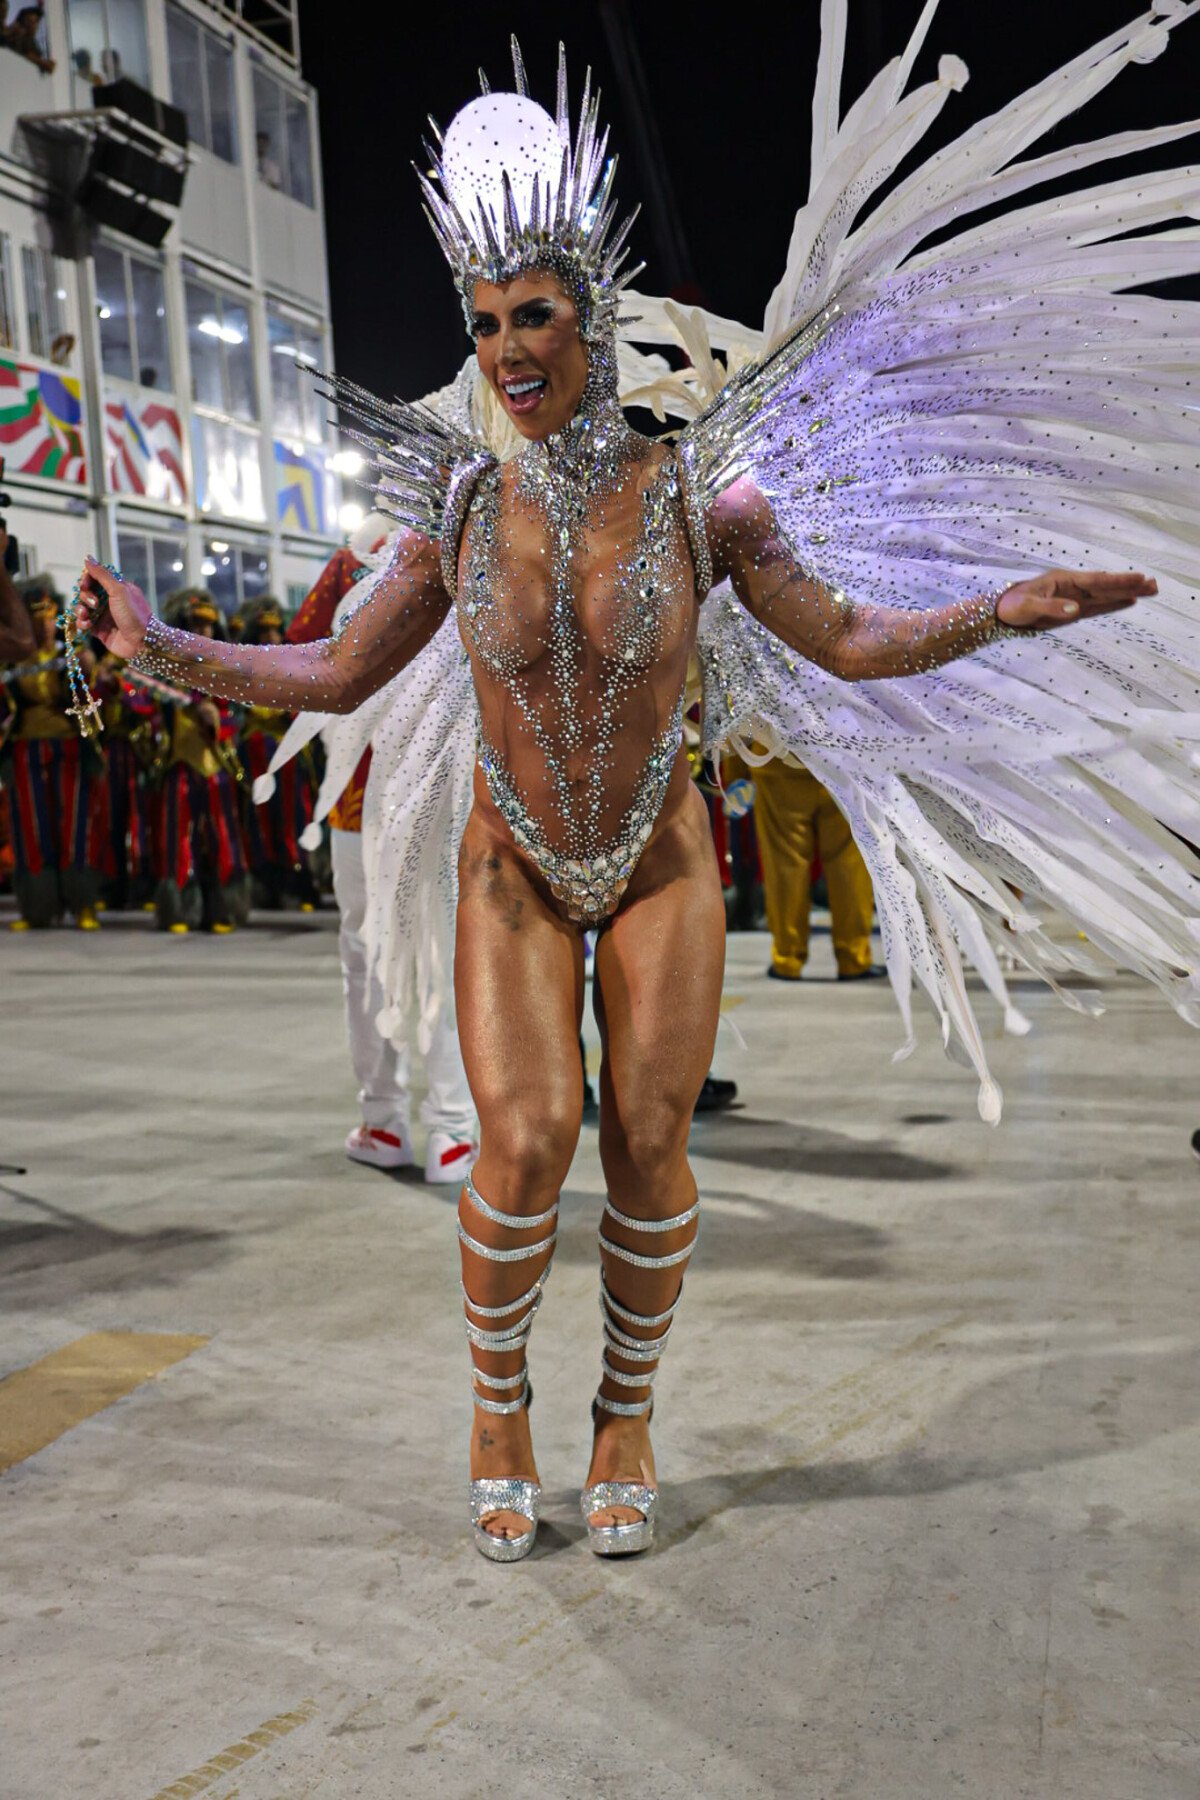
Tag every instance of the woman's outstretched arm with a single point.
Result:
(865, 643)
(403, 610)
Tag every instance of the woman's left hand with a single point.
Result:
(1062, 597)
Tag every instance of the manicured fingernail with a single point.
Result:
(1070, 606)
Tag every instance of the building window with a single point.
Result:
(108, 40)
(202, 83)
(235, 573)
(298, 410)
(283, 137)
(221, 351)
(158, 565)
(228, 469)
(131, 307)
(8, 306)
(46, 332)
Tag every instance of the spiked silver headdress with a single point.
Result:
(518, 192)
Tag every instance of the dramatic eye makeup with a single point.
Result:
(534, 313)
(532, 316)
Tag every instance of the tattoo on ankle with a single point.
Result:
(486, 1440)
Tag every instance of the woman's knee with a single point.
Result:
(647, 1142)
(528, 1149)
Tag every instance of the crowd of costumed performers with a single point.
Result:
(154, 812)
(167, 810)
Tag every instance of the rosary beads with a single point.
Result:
(84, 708)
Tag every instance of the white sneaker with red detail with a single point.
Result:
(448, 1158)
(382, 1148)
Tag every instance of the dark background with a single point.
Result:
(731, 108)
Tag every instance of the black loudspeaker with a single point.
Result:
(114, 160)
(168, 121)
(109, 206)
(137, 148)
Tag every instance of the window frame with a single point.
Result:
(281, 141)
(178, 543)
(98, 77)
(52, 287)
(9, 312)
(225, 45)
(310, 411)
(128, 258)
(233, 553)
(194, 278)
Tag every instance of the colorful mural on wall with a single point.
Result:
(41, 422)
(302, 497)
(144, 446)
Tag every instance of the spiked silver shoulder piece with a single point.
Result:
(425, 466)
(735, 432)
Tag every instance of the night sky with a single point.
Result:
(732, 110)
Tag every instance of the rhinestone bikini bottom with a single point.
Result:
(589, 887)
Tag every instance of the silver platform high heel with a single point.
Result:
(637, 1534)
(504, 1493)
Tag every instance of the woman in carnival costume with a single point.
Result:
(867, 498)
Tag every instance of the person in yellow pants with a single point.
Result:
(796, 817)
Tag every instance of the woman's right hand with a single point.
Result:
(115, 611)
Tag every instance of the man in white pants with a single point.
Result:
(384, 1137)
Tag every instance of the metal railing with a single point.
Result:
(274, 23)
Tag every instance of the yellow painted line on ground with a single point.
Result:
(39, 1403)
(252, 1744)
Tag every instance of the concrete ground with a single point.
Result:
(927, 1430)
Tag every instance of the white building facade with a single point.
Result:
(151, 408)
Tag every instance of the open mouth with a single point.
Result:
(523, 393)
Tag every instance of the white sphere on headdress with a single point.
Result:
(494, 134)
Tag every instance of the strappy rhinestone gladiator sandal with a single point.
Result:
(504, 1493)
(638, 1534)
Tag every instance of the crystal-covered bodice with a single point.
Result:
(576, 600)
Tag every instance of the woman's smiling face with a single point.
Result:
(528, 343)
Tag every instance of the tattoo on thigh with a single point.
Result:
(500, 890)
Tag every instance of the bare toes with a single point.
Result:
(506, 1526)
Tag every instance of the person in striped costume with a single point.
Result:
(52, 777)
(200, 845)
